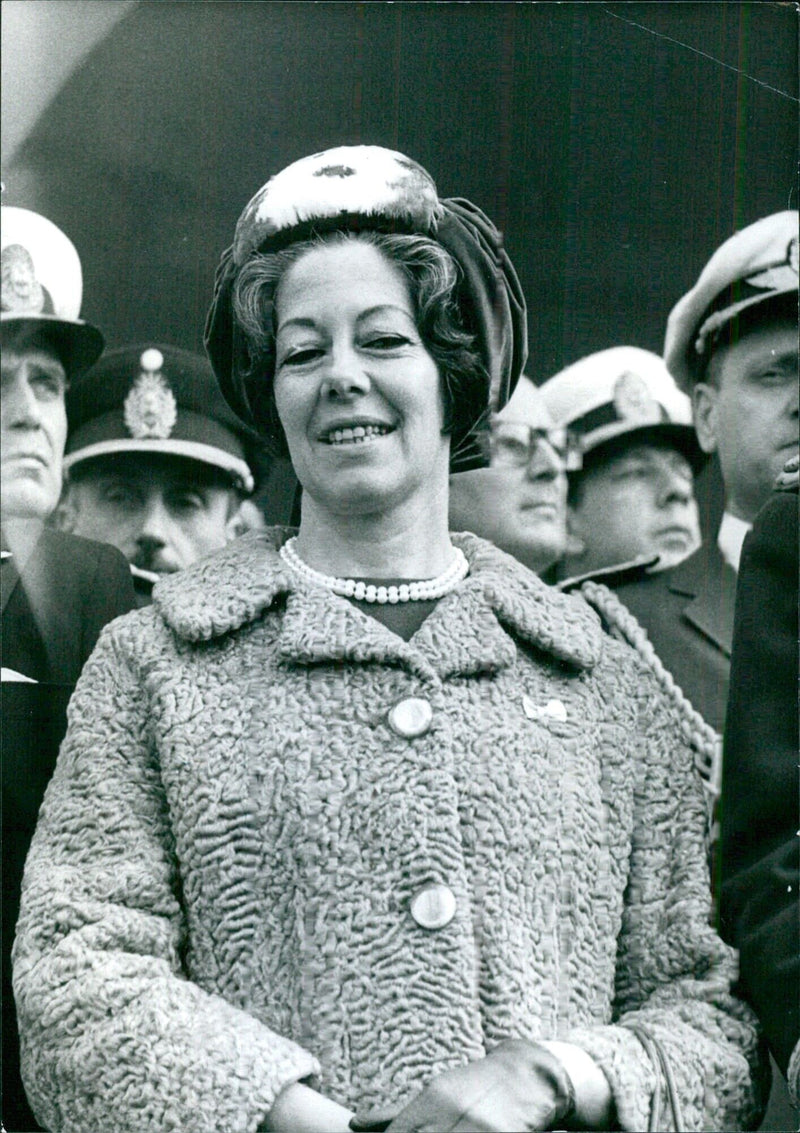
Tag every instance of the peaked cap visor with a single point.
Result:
(680, 437)
(77, 344)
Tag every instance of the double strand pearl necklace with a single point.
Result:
(424, 590)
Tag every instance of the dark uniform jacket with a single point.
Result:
(760, 854)
(58, 591)
(687, 611)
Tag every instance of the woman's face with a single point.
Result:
(357, 392)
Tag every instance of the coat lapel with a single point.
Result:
(471, 630)
(319, 627)
(9, 578)
(709, 584)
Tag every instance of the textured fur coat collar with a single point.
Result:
(223, 593)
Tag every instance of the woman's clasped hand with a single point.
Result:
(519, 1086)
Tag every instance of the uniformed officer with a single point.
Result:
(633, 496)
(155, 463)
(519, 502)
(57, 591)
(731, 342)
(47, 631)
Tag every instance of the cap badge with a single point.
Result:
(150, 409)
(778, 276)
(633, 400)
(21, 291)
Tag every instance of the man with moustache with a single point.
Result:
(156, 463)
(57, 591)
(519, 502)
(731, 343)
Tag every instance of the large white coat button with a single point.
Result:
(434, 906)
(411, 717)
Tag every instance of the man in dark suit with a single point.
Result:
(759, 847)
(731, 343)
(57, 591)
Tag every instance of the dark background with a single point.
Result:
(616, 145)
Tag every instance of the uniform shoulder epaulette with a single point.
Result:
(611, 576)
(789, 479)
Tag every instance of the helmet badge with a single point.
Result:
(150, 409)
(633, 400)
(21, 290)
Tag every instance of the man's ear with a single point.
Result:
(246, 517)
(704, 411)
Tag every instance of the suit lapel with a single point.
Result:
(19, 538)
(58, 620)
(709, 584)
(9, 577)
(41, 570)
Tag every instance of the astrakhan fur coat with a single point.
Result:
(217, 899)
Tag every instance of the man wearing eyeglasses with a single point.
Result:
(57, 591)
(519, 502)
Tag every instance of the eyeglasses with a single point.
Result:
(513, 445)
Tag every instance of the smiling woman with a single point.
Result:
(372, 819)
(365, 407)
(359, 394)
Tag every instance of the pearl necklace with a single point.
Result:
(419, 591)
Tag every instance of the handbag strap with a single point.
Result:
(664, 1080)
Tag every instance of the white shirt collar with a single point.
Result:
(730, 538)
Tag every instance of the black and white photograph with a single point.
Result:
(399, 500)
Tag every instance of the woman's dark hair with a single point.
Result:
(432, 276)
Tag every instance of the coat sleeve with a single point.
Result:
(673, 974)
(114, 1035)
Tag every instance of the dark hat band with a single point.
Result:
(742, 293)
(193, 437)
(77, 344)
(608, 414)
(604, 427)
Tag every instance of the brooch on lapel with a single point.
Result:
(553, 710)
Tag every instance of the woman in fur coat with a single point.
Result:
(363, 825)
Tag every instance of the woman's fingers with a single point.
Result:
(513, 1088)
